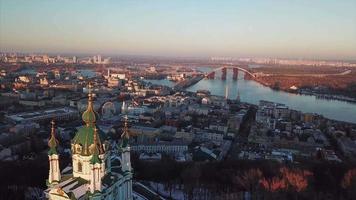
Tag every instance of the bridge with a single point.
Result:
(224, 69)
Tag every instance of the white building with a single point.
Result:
(170, 148)
(281, 112)
(212, 136)
(201, 110)
(114, 82)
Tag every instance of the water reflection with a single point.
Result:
(252, 92)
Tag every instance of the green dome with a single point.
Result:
(52, 142)
(85, 138)
(89, 116)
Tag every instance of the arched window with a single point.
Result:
(80, 167)
(78, 148)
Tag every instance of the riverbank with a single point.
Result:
(188, 82)
(322, 93)
(252, 91)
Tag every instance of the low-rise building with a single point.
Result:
(200, 110)
(347, 146)
(170, 148)
(58, 114)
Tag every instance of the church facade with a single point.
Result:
(99, 170)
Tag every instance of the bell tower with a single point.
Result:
(125, 147)
(54, 171)
(125, 159)
(95, 166)
(89, 154)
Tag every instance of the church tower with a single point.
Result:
(87, 149)
(125, 160)
(125, 147)
(95, 166)
(96, 172)
(54, 171)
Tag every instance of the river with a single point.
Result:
(252, 92)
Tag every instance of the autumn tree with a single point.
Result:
(349, 182)
(249, 180)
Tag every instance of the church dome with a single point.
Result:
(83, 141)
(89, 115)
(52, 142)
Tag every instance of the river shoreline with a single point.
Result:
(326, 96)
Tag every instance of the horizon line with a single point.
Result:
(66, 53)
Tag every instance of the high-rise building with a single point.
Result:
(99, 59)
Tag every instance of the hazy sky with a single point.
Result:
(280, 28)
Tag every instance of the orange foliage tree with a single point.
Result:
(249, 179)
(274, 184)
(348, 178)
(294, 179)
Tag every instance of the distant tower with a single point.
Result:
(238, 96)
(54, 171)
(124, 108)
(74, 59)
(226, 91)
(99, 59)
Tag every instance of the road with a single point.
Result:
(242, 135)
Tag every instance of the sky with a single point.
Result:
(319, 29)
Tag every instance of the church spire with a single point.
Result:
(89, 116)
(125, 133)
(54, 175)
(96, 166)
(95, 152)
(238, 96)
(52, 142)
(125, 136)
(226, 91)
(125, 148)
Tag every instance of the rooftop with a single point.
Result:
(42, 113)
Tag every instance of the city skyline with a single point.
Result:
(288, 29)
(174, 99)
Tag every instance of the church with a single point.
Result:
(99, 170)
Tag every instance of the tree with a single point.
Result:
(349, 182)
(249, 180)
(190, 177)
